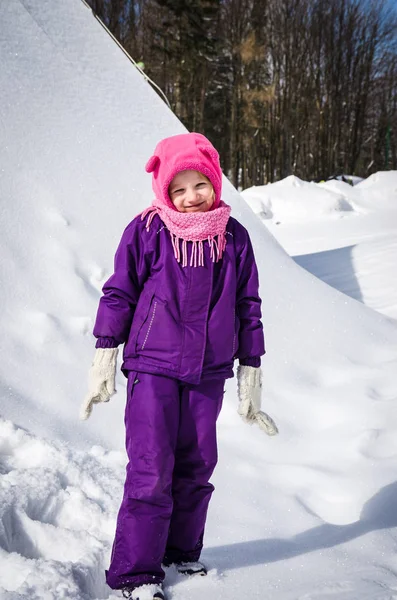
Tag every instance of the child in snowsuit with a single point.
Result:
(184, 300)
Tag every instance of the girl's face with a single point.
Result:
(191, 191)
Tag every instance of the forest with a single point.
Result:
(281, 87)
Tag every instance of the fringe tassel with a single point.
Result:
(201, 254)
(217, 248)
(193, 256)
(146, 211)
(184, 253)
(153, 211)
(175, 245)
(211, 245)
(221, 245)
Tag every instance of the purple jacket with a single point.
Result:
(188, 323)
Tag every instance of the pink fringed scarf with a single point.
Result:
(196, 227)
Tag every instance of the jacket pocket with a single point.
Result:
(139, 322)
(159, 339)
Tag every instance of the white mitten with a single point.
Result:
(101, 380)
(249, 385)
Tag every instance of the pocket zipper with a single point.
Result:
(150, 325)
(234, 326)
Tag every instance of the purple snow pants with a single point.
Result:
(172, 452)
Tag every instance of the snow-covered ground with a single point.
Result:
(307, 515)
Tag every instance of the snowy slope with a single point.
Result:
(306, 515)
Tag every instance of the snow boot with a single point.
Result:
(191, 568)
(148, 591)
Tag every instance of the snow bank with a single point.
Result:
(342, 188)
(381, 181)
(378, 192)
(295, 200)
(355, 253)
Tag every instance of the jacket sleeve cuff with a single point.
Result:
(106, 342)
(252, 361)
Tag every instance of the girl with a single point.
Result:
(184, 300)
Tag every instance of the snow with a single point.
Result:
(309, 514)
(353, 249)
(294, 198)
(57, 511)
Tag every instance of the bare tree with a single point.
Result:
(279, 86)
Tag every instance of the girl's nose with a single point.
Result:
(191, 195)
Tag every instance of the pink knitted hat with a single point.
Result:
(188, 151)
